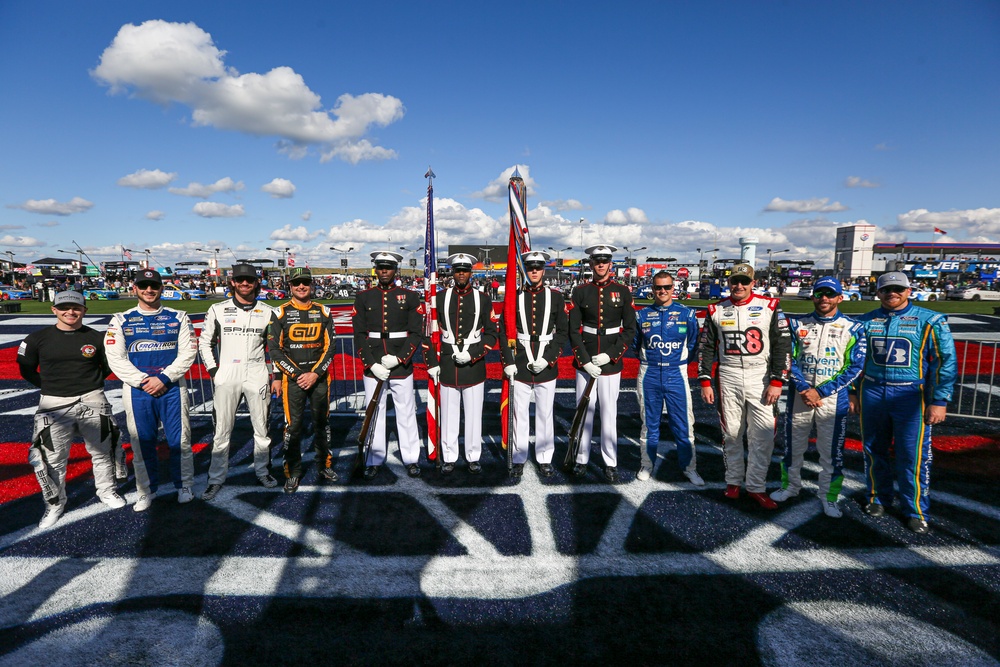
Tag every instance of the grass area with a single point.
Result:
(791, 305)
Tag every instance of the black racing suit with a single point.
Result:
(300, 340)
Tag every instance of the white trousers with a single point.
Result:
(545, 434)
(406, 420)
(606, 394)
(452, 401)
(225, 400)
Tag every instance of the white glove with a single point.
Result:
(462, 358)
(601, 359)
(434, 372)
(593, 369)
(510, 370)
(390, 361)
(538, 366)
(380, 371)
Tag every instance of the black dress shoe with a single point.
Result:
(611, 474)
(918, 526)
(517, 470)
(546, 469)
(475, 468)
(874, 509)
(580, 469)
(371, 472)
(447, 468)
(413, 470)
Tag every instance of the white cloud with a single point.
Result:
(858, 182)
(9, 227)
(815, 205)
(279, 188)
(630, 216)
(212, 209)
(300, 233)
(53, 207)
(156, 215)
(307, 216)
(496, 191)
(205, 191)
(565, 205)
(20, 241)
(980, 223)
(179, 63)
(147, 180)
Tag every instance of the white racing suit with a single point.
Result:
(58, 420)
(232, 345)
(828, 355)
(751, 342)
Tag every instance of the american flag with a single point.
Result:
(518, 242)
(127, 253)
(431, 330)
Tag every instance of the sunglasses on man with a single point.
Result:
(824, 293)
(662, 288)
(295, 283)
(894, 289)
(740, 280)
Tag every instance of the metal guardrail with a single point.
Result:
(976, 386)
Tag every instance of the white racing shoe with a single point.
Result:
(831, 509)
(185, 495)
(781, 495)
(643, 474)
(112, 500)
(143, 502)
(52, 514)
(694, 477)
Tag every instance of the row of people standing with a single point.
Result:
(150, 348)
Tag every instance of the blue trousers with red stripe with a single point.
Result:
(892, 416)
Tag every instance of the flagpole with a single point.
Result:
(518, 242)
(431, 330)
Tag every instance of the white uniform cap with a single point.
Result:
(535, 256)
(386, 256)
(460, 259)
(601, 249)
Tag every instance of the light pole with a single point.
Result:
(413, 261)
(488, 264)
(559, 264)
(10, 261)
(343, 259)
(284, 252)
(147, 258)
(581, 234)
(770, 265)
(629, 265)
(701, 259)
(79, 260)
(218, 273)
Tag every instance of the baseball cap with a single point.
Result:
(830, 283)
(69, 298)
(299, 273)
(742, 270)
(148, 276)
(244, 271)
(891, 279)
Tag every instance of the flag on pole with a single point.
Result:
(431, 330)
(518, 242)
(127, 253)
(939, 231)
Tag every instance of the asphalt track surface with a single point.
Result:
(475, 569)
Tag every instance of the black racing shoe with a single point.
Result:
(546, 469)
(517, 470)
(611, 474)
(211, 491)
(475, 468)
(874, 509)
(267, 480)
(579, 470)
(447, 468)
(371, 472)
(918, 526)
(413, 470)
(329, 474)
(291, 484)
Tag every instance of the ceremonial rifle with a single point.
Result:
(367, 433)
(579, 417)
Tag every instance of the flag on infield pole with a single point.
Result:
(939, 231)
(431, 330)
(126, 253)
(518, 242)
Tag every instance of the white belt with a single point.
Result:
(388, 334)
(607, 332)
(473, 337)
(541, 338)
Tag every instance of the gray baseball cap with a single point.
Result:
(893, 279)
(69, 298)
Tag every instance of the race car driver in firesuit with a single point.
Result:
(828, 353)
(237, 328)
(748, 335)
(150, 348)
(907, 383)
(666, 339)
(300, 340)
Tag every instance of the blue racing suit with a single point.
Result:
(154, 343)
(910, 363)
(828, 354)
(665, 340)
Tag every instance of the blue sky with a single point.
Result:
(670, 125)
